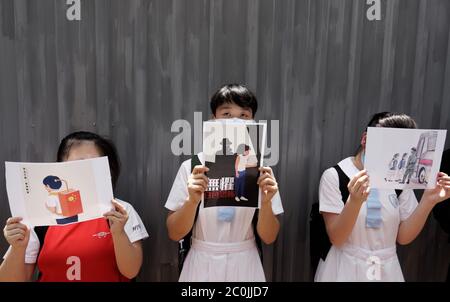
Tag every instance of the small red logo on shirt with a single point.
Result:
(101, 234)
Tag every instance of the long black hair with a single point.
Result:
(105, 146)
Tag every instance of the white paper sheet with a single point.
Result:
(89, 195)
(403, 158)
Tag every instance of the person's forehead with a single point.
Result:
(84, 150)
(233, 106)
(84, 145)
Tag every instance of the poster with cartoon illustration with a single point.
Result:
(233, 152)
(59, 193)
(403, 158)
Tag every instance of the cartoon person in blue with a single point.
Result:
(53, 185)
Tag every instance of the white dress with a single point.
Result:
(221, 251)
(369, 254)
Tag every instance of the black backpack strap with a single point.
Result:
(41, 231)
(255, 231)
(319, 241)
(195, 161)
(343, 183)
(185, 243)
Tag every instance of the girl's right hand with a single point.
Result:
(197, 183)
(359, 188)
(16, 233)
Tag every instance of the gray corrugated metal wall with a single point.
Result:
(130, 68)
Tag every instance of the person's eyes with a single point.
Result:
(226, 114)
(244, 115)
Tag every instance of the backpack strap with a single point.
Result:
(255, 232)
(185, 243)
(343, 183)
(41, 231)
(195, 162)
(319, 241)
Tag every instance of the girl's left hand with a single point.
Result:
(442, 190)
(117, 217)
(267, 184)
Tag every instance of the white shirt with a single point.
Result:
(242, 164)
(393, 210)
(207, 226)
(134, 228)
(53, 202)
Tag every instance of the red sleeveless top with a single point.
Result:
(82, 252)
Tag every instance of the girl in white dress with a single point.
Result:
(223, 242)
(364, 238)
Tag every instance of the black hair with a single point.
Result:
(234, 93)
(390, 120)
(53, 182)
(105, 146)
(242, 148)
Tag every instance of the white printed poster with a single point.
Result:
(233, 152)
(399, 158)
(59, 193)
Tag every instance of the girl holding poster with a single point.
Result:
(365, 227)
(106, 249)
(224, 239)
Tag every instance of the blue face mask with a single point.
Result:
(226, 214)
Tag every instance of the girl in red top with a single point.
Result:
(105, 249)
